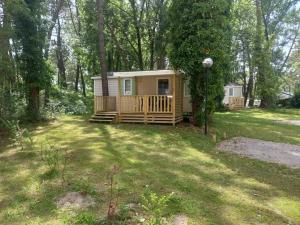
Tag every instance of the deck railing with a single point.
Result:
(236, 102)
(134, 104)
(146, 104)
(105, 103)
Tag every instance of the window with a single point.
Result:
(163, 86)
(231, 92)
(127, 85)
(187, 92)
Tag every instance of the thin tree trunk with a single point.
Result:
(82, 83)
(47, 46)
(52, 25)
(77, 76)
(60, 58)
(102, 53)
(137, 25)
(33, 106)
(151, 47)
(245, 93)
(259, 53)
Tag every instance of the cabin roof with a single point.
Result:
(233, 85)
(115, 75)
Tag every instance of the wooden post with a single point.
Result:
(174, 99)
(145, 99)
(95, 104)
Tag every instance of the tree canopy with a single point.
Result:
(50, 48)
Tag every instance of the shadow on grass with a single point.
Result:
(169, 160)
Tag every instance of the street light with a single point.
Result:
(207, 64)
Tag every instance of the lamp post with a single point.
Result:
(207, 64)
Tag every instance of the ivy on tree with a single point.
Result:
(201, 29)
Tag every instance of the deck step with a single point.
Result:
(104, 117)
(100, 120)
(106, 113)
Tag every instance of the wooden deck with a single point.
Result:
(137, 109)
(164, 109)
(236, 103)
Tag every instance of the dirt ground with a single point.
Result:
(289, 122)
(75, 200)
(268, 151)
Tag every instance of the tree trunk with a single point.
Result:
(33, 106)
(60, 58)
(6, 69)
(137, 26)
(259, 54)
(47, 45)
(77, 77)
(245, 93)
(52, 25)
(82, 83)
(102, 53)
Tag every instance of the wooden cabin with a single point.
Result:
(160, 96)
(233, 98)
(140, 97)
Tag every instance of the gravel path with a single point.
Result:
(268, 151)
(289, 122)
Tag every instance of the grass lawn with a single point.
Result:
(210, 187)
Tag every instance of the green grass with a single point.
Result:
(210, 187)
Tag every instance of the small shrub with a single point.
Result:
(85, 218)
(68, 102)
(295, 101)
(83, 185)
(21, 136)
(55, 158)
(113, 194)
(155, 206)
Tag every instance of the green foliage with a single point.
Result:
(33, 70)
(267, 82)
(56, 159)
(83, 185)
(21, 136)
(68, 102)
(295, 101)
(12, 104)
(155, 205)
(201, 30)
(84, 218)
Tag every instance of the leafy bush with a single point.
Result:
(20, 135)
(67, 102)
(295, 101)
(12, 105)
(83, 185)
(55, 158)
(85, 218)
(155, 205)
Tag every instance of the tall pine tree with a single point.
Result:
(200, 29)
(30, 34)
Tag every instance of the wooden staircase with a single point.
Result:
(104, 117)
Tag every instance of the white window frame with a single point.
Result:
(131, 88)
(232, 92)
(185, 85)
(169, 82)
